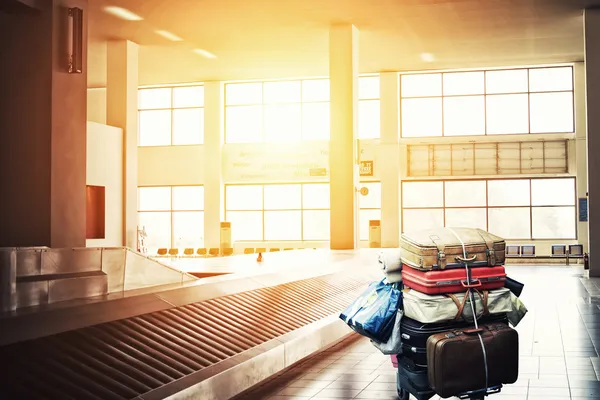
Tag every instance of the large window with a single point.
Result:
(289, 111)
(171, 116)
(172, 215)
(510, 208)
(516, 101)
(281, 212)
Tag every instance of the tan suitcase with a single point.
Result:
(442, 248)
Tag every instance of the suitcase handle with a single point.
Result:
(466, 260)
(473, 331)
(477, 283)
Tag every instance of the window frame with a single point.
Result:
(487, 206)
(171, 211)
(485, 96)
(172, 110)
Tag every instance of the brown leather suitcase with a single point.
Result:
(455, 360)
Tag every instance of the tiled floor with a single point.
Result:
(559, 338)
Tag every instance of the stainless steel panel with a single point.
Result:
(113, 264)
(143, 272)
(77, 287)
(29, 262)
(64, 261)
(32, 293)
(8, 280)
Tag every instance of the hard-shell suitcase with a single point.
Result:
(456, 362)
(453, 280)
(443, 248)
(412, 380)
(414, 335)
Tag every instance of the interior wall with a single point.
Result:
(105, 168)
(96, 105)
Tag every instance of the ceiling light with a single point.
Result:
(170, 36)
(427, 57)
(205, 53)
(123, 13)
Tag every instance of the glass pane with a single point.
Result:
(368, 87)
(554, 223)
(188, 126)
(421, 85)
(465, 193)
(244, 197)
(243, 124)
(373, 199)
(283, 225)
(315, 195)
(283, 197)
(188, 96)
(509, 81)
(283, 123)
(421, 117)
(282, 92)
(315, 225)
(188, 198)
(315, 121)
(551, 112)
(553, 192)
(463, 83)
(466, 218)
(550, 79)
(364, 216)
(464, 116)
(158, 228)
(509, 223)
(315, 90)
(245, 225)
(155, 128)
(413, 220)
(243, 93)
(188, 229)
(368, 119)
(507, 113)
(154, 98)
(508, 192)
(422, 194)
(154, 198)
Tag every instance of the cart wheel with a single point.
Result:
(403, 394)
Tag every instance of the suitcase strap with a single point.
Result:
(461, 305)
(441, 258)
(489, 243)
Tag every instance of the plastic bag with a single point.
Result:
(394, 342)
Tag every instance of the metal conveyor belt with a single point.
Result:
(126, 358)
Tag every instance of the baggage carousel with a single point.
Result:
(212, 338)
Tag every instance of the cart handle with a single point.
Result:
(473, 331)
(466, 260)
(475, 283)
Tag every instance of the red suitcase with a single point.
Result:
(453, 280)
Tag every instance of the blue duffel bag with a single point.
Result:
(373, 313)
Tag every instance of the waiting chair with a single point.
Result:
(173, 252)
(288, 248)
(201, 252)
(248, 251)
(188, 252)
(214, 252)
(272, 250)
(228, 251)
(162, 252)
(261, 250)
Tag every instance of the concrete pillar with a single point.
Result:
(43, 130)
(122, 112)
(578, 149)
(213, 149)
(343, 173)
(389, 159)
(592, 77)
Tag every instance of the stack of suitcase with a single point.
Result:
(439, 268)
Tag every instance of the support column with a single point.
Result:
(592, 77)
(389, 159)
(578, 150)
(213, 166)
(43, 125)
(343, 174)
(122, 112)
